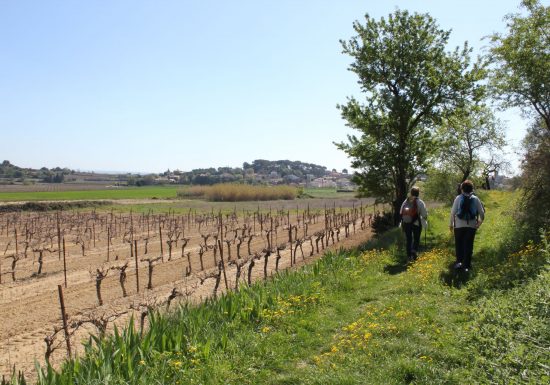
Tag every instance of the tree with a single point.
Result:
(410, 82)
(535, 202)
(468, 133)
(522, 74)
(441, 184)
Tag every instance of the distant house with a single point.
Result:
(322, 182)
(165, 180)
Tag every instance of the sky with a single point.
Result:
(145, 86)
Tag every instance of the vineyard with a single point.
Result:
(99, 268)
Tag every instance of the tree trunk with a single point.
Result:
(487, 182)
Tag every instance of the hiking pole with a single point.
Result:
(426, 235)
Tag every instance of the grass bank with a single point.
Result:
(355, 317)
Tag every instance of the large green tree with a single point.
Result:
(410, 81)
(521, 76)
(472, 139)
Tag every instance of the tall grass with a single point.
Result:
(228, 192)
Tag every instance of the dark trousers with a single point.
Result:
(464, 245)
(412, 233)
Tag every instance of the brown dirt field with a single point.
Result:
(29, 306)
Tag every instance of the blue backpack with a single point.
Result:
(467, 208)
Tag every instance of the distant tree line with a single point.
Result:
(255, 172)
(10, 172)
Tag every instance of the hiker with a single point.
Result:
(467, 214)
(413, 216)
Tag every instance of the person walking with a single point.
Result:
(467, 214)
(413, 216)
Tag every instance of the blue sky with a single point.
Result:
(148, 85)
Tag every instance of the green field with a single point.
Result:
(149, 192)
(359, 317)
(153, 192)
(327, 192)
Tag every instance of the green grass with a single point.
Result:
(147, 192)
(326, 192)
(160, 192)
(355, 317)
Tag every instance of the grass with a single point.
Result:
(149, 192)
(145, 192)
(355, 317)
(326, 192)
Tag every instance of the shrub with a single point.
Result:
(382, 223)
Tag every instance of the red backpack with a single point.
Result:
(409, 212)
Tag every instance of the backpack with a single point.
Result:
(410, 211)
(467, 208)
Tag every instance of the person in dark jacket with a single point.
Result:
(467, 214)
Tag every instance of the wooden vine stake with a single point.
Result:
(64, 318)
(220, 242)
(58, 237)
(64, 263)
(137, 268)
(161, 248)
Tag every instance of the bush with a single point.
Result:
(382, 223)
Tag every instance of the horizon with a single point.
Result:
(114, 172)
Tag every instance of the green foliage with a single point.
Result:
(285, 168)
(54, 175)
(471, 138)
(536, 179)
(259, 169)
(405, 99)
(522, 74)
(382, 223)
(147, 180)
(441, 185)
